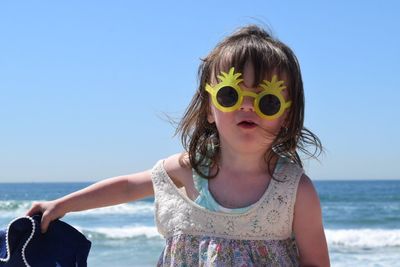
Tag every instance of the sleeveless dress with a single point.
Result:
(259, 236)
(206, 199)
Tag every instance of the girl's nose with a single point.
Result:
(247, 104)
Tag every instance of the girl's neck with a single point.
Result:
(239, 162)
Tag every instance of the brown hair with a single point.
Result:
(254, 45)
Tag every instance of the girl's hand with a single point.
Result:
(50, 211)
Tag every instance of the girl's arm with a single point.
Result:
(308, 227)
(108, 192)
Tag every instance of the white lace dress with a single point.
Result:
(195, 236)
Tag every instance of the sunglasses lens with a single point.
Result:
(269, 105)
(227, 96)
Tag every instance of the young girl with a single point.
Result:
(238, 195)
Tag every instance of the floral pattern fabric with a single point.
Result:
(191, 250)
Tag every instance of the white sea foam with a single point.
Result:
(16, 208)
(363, 238)
(13, 208)
(121, 232)
(129, 208)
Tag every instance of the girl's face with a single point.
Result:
(243, 130)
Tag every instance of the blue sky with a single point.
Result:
(84, 84)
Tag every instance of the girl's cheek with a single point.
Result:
(278, 123)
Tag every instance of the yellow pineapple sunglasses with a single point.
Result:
(227, 95)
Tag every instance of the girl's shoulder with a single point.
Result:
(306, 191)
(178, 169)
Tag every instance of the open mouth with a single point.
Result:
(247, 124)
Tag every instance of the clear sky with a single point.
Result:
(84, 84)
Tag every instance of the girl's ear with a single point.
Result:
(210, 116)
(285, 122)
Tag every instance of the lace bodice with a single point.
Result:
(270, 218)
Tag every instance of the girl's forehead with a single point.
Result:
(249, 75)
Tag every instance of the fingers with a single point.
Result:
(44, 225)
(39, 207)
(36, 208)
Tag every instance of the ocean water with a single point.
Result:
(361, 219)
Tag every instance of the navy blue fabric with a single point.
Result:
(61, 246)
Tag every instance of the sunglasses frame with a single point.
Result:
(273, 87)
